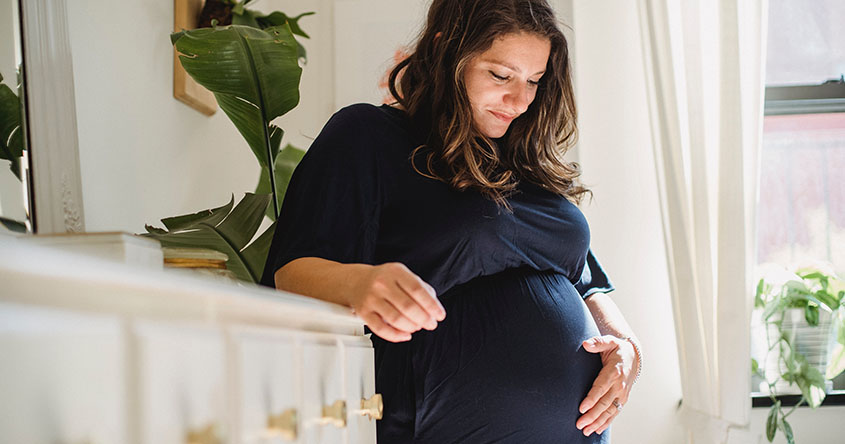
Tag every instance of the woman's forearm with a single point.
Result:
(392, 300)
(621, 364)
(611, 322)
(320, 278)
(608, 317)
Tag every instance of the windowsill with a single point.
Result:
(759, 400)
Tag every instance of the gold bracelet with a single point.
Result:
(639, 358)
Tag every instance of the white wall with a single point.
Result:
(144, 155)
(367, 35)
(317, 89)
(616, 154)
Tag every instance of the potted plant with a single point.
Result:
(254, 75)
(800, 321)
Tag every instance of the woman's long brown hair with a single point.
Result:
(429, 85)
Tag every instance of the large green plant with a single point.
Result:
(254, 75)
(811, 290)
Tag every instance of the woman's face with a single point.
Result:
(502, 81)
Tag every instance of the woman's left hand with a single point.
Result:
(619, 364)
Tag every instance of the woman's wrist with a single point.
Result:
(639, 355)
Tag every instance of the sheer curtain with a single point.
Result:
(704, 66)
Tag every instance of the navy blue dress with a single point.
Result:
(506, 365)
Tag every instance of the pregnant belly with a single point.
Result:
(506, 364)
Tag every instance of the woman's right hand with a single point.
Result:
(394, 302)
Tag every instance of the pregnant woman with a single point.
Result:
(448, 222)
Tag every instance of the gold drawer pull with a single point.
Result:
(335, 414)
(373, 407)
(205, 435)
(283, 425)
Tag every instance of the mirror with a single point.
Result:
(14, 204)
(35, 38)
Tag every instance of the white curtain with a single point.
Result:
(704, 66)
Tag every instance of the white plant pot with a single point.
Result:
(814, 342)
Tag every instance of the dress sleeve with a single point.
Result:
(333, 200)
(593, 278)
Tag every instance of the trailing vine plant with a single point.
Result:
(813, 290)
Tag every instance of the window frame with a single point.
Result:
(827, 97)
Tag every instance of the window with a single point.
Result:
(801, 211)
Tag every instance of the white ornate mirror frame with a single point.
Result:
(56, 184)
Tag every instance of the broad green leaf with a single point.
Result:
(787, 431)
(754, 366)
(772, 421)
(11, 137)
(758, 296)
(788, 376)
(240, 226)
(814, 376)
(263, 186)
(276, 135)
(796, 285)
(206, 236)
(775, 306)
(800, 299)
(153, 230)
(279, 18)
(212, 217)
(249, 121)
(256, 253)
(13, 225)
(827, 299)
(238, 8)
(810, 381)
(815, 396)
(814, 275)
(253, 73)
(811, 314)
(286, 162)
(230, 236)
(245, 18)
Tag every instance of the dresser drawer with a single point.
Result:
(364, 405)
(62, 377)
(181, 383)
(324, 409)
(266, 374)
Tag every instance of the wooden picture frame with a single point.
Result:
(186, 16)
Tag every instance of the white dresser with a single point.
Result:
(93, 351)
